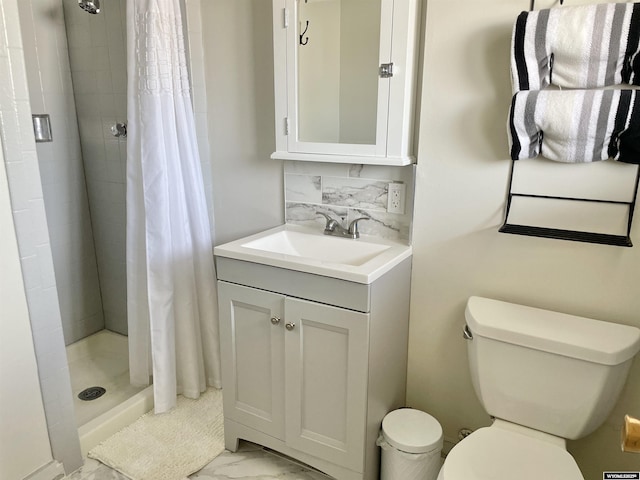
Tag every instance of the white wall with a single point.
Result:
(24, 445)
(460, 195)
(247, 184)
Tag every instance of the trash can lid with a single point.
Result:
(412, 431)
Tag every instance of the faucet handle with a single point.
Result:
(331, 223)
(353, 226)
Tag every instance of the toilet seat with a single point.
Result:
(499, 454)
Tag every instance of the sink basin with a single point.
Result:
(322, 248)
(308, 250)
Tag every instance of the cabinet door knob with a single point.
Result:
(275, 320)
(290, 326)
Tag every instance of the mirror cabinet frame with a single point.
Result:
(399, 35)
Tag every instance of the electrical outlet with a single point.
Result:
(396, 198)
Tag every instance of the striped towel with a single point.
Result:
(576, 125)
(586, 46)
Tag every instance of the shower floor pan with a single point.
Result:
(101, 360)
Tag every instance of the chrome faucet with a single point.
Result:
(334, 228)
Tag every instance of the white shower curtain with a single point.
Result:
(171, 291)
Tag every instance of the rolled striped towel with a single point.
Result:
(576, 126)
(586, 46)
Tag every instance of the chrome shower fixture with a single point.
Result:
(91, 6)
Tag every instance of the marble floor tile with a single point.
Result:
(94, 470)
(250, 462)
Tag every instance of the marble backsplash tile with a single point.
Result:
(355, 193)
(303, 188)
(347, 192)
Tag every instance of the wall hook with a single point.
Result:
(306, 40)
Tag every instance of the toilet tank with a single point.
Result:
(557, 373)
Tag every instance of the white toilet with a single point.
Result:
(544, 377)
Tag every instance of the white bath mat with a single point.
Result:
(169, 446)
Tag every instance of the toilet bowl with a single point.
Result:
(544, 377)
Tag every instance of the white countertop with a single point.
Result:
(308, 250)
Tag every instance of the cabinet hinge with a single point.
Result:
(386, 70)
(285, 17)
(286, 125)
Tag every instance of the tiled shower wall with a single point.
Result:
(347, 192)
(61, 169)
(98, 67)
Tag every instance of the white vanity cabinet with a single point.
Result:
(300, 361)
(345, 80)
(311, 364)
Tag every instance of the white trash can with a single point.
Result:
(411, 443)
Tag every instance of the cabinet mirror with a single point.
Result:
(337, 70)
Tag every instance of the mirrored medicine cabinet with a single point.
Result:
(345, 80)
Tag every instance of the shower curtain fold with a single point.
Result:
(171, 292)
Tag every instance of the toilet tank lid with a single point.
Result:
(569, 335)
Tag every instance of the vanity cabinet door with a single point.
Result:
(326, 381)
(252, 350)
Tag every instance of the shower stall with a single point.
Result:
(75, 60)
(65, 66)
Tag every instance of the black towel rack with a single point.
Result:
(573, 235)
(533, 5)
(563, 234)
